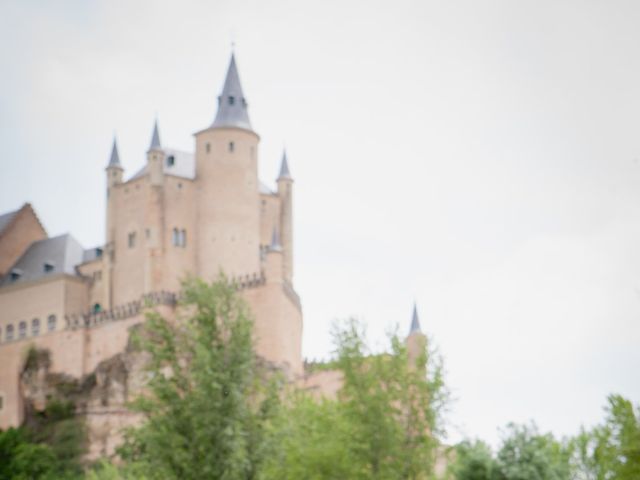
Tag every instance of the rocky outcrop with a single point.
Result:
(99, 399)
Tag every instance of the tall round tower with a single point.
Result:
(228, 215)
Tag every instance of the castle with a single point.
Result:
(183, 213)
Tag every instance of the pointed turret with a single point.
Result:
(285, 192)
(232, 105)
(114, 160)
(284, 167)
(155, 138)
(275, 242)
(415, 321)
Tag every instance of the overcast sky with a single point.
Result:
(480, 157)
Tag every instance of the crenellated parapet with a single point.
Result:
(163, 297)
(120, 312)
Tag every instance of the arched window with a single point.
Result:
(176, 237)
(35, 327)
(97, 308)
(22, 329)
(51, 323)
(231, 146)
(232, 100)
(9, 332)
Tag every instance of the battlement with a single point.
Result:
(163, 297)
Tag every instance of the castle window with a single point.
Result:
(1, 402)
(15, 275)
(231, 146)
(132, 239)
(48, 267)
(9, 332)
(171, 161)
(232, 100)
(98, 252)
(97, 308)
(244, 102)
(147, 233)
(183, 238)
(176, 237)
(35, 327)
(208, 147)
(51, 323)
(22, 329)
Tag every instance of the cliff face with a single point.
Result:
(97, 401)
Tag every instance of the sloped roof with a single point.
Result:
(415, 321)
(232, 104)
(184, 165)
(61, 253)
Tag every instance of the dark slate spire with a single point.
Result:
(415, 321)
(284, 167)
(155, 138)
(114, 161)
(275, 241)
(232, 105)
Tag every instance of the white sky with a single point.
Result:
(481, 157)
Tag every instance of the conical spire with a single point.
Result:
(284, 167)
(275, 241)
(114, 161)
(232, 105)
(155, 138)
(415, 321)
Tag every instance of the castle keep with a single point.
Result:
(184, 213)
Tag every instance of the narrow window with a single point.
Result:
(1, 402)
(35, 327)
(51, 323)
(98, 252)
(176, 237)
(9, 333)
(22, 329)
(147, 233)
(132, 239)
(183, 238)
(97, 308)
(231, 146)
(48, 267)
(171, 161)
(232, 100)
(15, 275)
(208, 147)
(0, 334)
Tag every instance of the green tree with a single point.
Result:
(473, 461)
(383, 425)
(207, 405)
(526, 454)
(610, 450)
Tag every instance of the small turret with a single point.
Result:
(274, 266)
(285, 192)
(114, 172)
(415, 321)
(155, 158)
(416, 340)
(114, 167)
(275, 242)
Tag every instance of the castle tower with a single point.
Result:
(285, 192)
(114, 172)
(228, 213)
